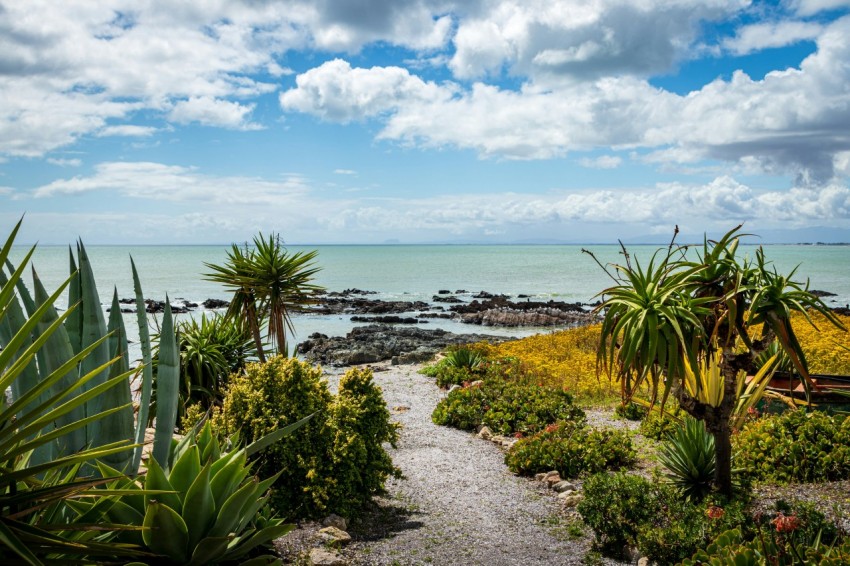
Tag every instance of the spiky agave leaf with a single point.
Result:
(118, 426)
(147, 368)
(93, 329)
(167, 388)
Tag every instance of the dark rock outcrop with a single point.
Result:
(375, 343)
(389, 319)
(500, 311)
(215, 304)
(818, 293)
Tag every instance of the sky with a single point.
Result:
(423, 121)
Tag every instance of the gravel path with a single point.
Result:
(458, 503)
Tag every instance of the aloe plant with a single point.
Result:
(209, 508)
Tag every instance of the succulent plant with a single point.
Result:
(208, 508)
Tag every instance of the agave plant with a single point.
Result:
(84, 328)
(689, 458)
(211, 349)
(465, 358)
(51, 406)
(207, 509)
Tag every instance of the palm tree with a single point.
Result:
(268, 283)
(664, 323)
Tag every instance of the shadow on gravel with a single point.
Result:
(383, 518)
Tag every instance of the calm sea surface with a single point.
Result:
(413, 273)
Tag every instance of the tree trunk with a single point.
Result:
(723, 459)
(251, 313)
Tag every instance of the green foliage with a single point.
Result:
(269, 283)
(461, 364)
(40, 465)
(688, 456)
(630, 511)
(463, 357)
(663, 322)
(659, 425)
(615, 506)
(336, 461)
(732, 549)
(361, 425)
(631, 411)
(572, 449)
(506, 406)
(679, 527)
(207, 509)
(211, 349)
(269, 396)
(797, 446)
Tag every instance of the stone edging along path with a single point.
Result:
(458, 503)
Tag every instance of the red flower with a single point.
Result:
(786, 524)
(517, 435)
(715, 512)
(551, 428)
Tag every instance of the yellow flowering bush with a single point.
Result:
(564, 359)
(567, 358)
(823, 347)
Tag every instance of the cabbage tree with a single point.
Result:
(663, 322)
(268, 283)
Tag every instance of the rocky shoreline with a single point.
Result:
(380, 342)
(392, 330)
(482, 308)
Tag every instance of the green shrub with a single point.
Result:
(462, 408)
(689, 458)
(615, 506)
(658, 425)
(630, 511)
(361, 424)
(450, 375)
(336, 461)
(679, 527)
(572, 449)
(631, 411)
(506, 406)
(462, 364)
(795, 447)
(270, 396)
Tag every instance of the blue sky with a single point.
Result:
(367, 121)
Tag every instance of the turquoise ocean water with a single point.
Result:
(544, 272)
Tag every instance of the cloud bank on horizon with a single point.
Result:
(423, 120)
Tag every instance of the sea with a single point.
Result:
(413, 272)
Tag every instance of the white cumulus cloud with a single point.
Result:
(756, 37)
(213, 112)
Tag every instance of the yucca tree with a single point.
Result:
(662, 323)
(268, 283)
